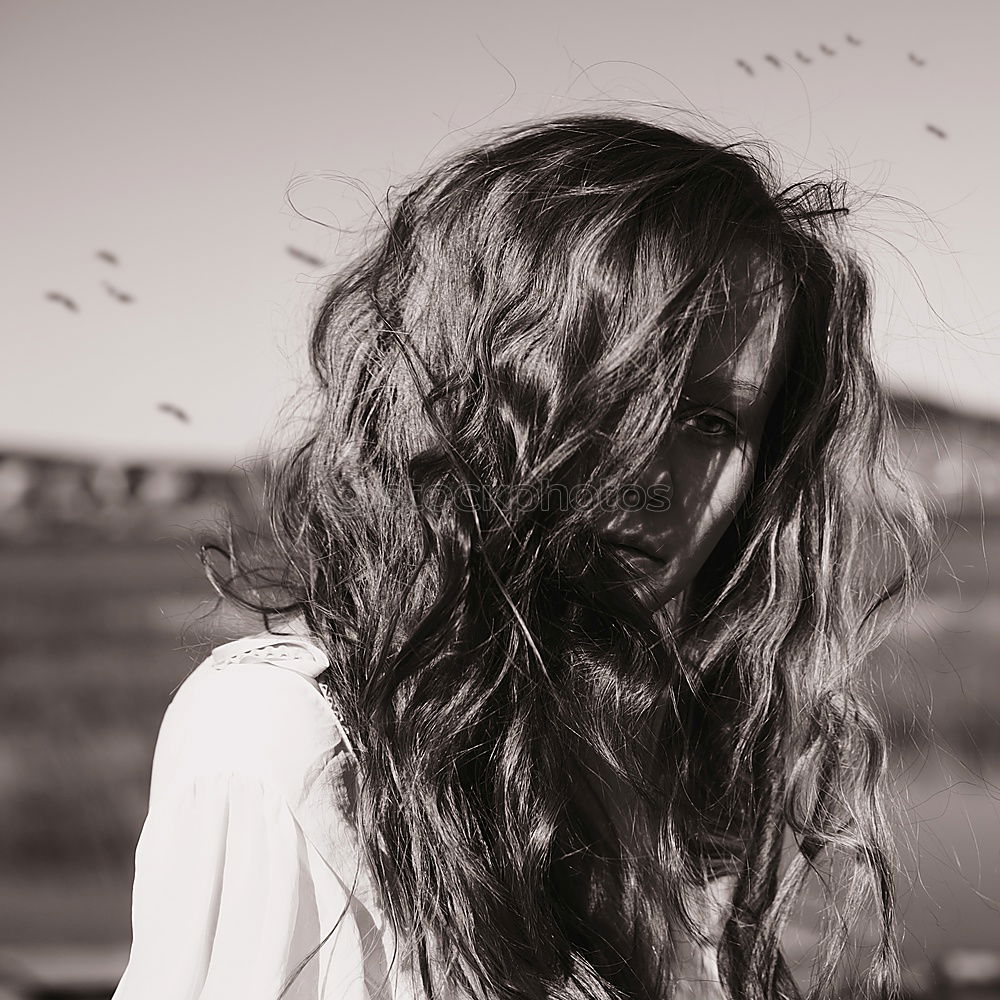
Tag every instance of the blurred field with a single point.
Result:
(95, 635)
(94, 640)
(940, 683)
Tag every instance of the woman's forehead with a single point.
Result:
(747, 351)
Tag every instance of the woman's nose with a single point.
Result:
(659, 478)
(661, 492)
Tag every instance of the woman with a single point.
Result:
(557, 692)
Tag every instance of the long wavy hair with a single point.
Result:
(508, 349)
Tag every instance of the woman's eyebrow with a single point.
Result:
(726, 383)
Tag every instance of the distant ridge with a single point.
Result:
(953, 456)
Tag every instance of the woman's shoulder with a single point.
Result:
(253, 707)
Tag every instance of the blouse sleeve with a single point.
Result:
(223, 903)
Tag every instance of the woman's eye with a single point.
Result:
(711, 423)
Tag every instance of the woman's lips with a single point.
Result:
(640, 553)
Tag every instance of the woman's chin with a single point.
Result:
(656, 589)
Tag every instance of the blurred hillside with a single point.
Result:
(104, 609)
(953, 457)
(48, 498)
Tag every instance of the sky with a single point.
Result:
(162, 158)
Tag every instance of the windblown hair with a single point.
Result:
(517, 332)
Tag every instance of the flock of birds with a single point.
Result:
(807, 60)
(116, 293)
(70, 304)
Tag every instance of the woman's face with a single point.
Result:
(706, 463)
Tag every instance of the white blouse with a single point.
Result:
(248, 856)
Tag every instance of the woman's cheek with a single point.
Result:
(731, 481)
(730, 489)
(743, 461)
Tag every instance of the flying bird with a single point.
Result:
(826, 50)
(934, 130)
(119, 295)
(64, 300)
(916, 60)
(773, 60)
(852, 40)
(743, 64)
(107, 255)
(802, 58)
(308, 258)
(174, 411)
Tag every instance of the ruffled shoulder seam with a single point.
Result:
(292, 651)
